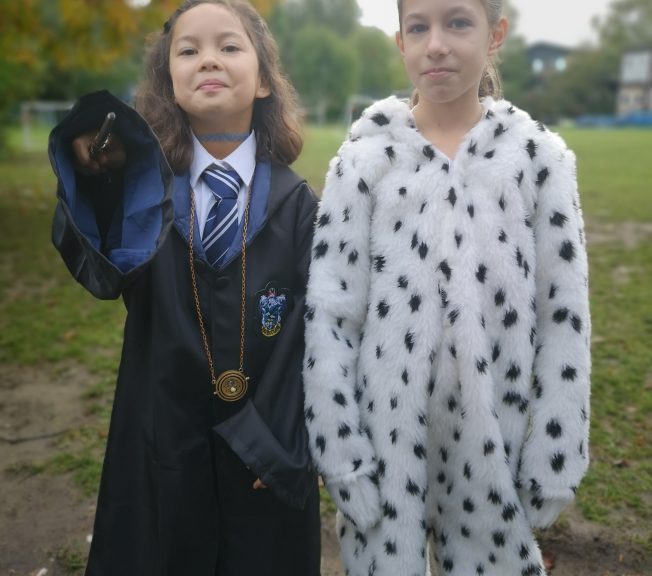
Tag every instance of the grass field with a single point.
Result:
(46, 319)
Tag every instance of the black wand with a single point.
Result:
(101, 141)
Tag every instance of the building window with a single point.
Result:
(537, 65)
(560, 64)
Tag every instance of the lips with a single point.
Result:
(438, 72)
(211, 85)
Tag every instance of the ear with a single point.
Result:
(498, 36)
(263, 90)
(399, 42)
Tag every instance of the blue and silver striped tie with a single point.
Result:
(222, 222)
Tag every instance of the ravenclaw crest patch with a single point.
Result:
(272, 305)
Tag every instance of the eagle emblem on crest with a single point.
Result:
(272, 306)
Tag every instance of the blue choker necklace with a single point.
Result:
(224, 137)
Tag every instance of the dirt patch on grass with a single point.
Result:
(41, 514)
(629, 234)
(44, 516)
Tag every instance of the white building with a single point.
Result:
(635, 90)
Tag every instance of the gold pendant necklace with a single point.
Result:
(231, 385)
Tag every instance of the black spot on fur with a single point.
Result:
(339, 398)
(569, 373)
(509, 512)
(468, 505)
(409, 341)
(557, 462)
(513, 373)
(380, 119)
(558, 219)
(390, 548)
(553, 429)
(542, 176)
(344, 431)
(481, 273)
(445, 268)
(511, 317)
(499, 539)
(320, 249)
(382, 308)
(567, 251)
(560, 315)
(452, 197)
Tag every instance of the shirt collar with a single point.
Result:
(242, 160)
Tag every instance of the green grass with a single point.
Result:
(321, 144)
(614, 172)
(46, 318)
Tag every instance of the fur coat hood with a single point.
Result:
(447, 343)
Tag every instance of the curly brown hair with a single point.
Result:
(277, 119)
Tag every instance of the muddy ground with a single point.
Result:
(43, 515)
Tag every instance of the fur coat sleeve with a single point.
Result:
(336, 310)
(555, 454)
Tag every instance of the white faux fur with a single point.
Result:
(447, 363)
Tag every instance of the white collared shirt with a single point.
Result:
(242, 160)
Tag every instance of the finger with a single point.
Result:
(258, 485)
(81, 156)
(113, 157)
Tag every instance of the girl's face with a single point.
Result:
(214, 69)
(445, 45)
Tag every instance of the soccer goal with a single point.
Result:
(40, 113)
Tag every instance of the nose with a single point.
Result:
(437, 43)
(211, 60)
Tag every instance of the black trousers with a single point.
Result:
(258, 534)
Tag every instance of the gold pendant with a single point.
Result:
(231, 386)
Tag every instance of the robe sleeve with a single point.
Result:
(337, 299)
(269, 433)
(105, 244)
(555, 455)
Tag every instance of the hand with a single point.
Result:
(258, 485)
(112, 158)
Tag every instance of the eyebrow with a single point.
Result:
(220, 36)
(456, 8)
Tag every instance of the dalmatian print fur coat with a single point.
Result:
(447, 361)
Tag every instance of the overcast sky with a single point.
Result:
(566, 22)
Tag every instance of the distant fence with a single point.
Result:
(49, 112)
(633, 120)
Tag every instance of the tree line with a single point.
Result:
(59, 50)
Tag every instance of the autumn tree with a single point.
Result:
(60, 48)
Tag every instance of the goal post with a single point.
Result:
(48, 112)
